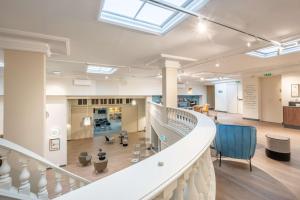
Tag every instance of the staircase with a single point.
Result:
(24, 175)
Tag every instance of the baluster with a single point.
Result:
(42, 184)
(24, 177)
(168, 192)
(72, 184)
(5, 179)
(200, 182)
(81, 184)
(179, 192)
(58, 186)
(192, 190)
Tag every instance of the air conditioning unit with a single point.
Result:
(82, 82)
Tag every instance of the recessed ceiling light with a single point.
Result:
(93, 69)
(201, 26)
(56, 72)
(106, 77)
(248, 44)
(202, 79)
(217, 64)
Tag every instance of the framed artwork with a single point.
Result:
(54, 144)
(295, 90)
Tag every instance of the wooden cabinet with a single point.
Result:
(291, 117)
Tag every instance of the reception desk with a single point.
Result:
(291, 117)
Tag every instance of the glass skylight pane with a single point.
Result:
(154, 14)
(92, 69)
(176, 2)
(267, 50)
(127, 8)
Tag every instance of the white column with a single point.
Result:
(169, 83)
(169, 86)
(24, 97)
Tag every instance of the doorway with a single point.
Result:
(107, 120)
(271, 106)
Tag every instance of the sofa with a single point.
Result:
(235, 141)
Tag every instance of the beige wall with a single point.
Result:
(141, 111)
(130, 118)
(78, 130)
(211, 95)
(287, 80)
(133, 118)
(25, 99)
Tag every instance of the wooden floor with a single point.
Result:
(269, 180)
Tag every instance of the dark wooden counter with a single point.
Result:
(291, 117)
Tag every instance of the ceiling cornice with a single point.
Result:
(29, 41)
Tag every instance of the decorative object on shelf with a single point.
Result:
(54, 144)
(295, 90)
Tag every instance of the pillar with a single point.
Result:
(24, 99)
(169, 83)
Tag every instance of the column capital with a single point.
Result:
(172, 64)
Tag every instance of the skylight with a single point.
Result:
(272, 51)
(92, 69)
(145, 16)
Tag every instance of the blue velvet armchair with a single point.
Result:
(235, 141)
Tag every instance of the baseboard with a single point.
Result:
(252, 119)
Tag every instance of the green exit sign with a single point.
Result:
(269, 74)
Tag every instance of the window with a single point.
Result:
(272, 51)
(95, 101)
(146, 16)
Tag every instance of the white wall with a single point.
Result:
(56, 120)
(133, 86)
(251, 98)
(286, 81)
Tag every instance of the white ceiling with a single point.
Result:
(100, 43)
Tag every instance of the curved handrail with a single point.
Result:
(146, 179)
(5, 144)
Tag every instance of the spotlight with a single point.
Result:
(248, 44)
(201, 26)
(106, 77)
(217, 64)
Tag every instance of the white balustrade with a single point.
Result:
(5, 179)
(24, 177)
(23, 188)
(58, 187)
(183, 171)
(42, 184)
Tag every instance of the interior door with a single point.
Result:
(232, 98)
(271, 106)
